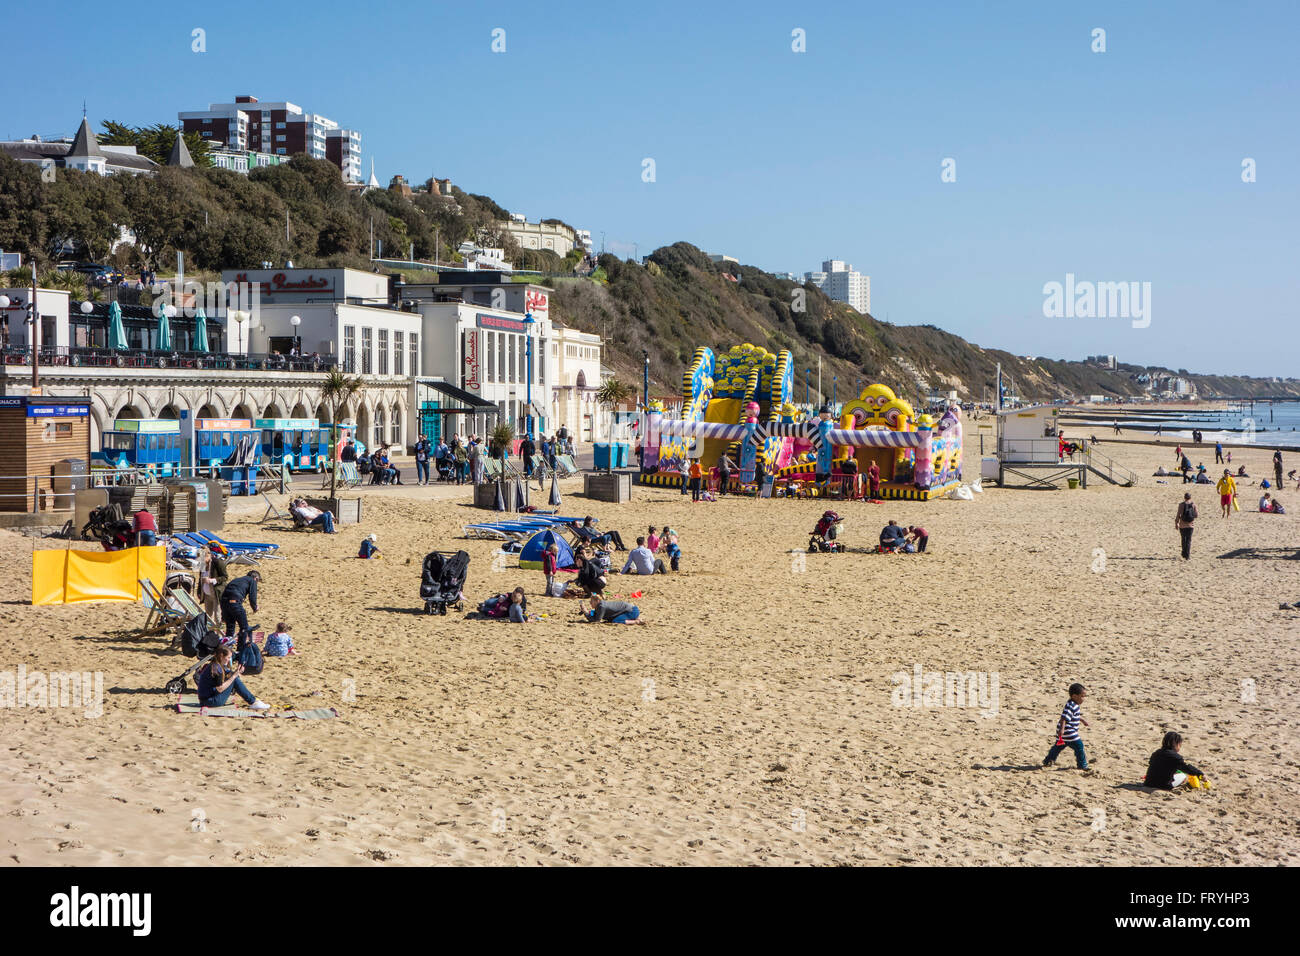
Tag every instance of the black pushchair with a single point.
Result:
(108, 526)
(442, 581)
(197, 639)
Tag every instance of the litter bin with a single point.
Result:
(601, 451)
(620, 454)
(69, 477)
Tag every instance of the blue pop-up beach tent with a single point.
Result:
(531, 557)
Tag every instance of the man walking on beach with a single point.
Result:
(232, 605)
(1218, 453)
(1227, 489)
(1183, 520)
(1277, 467)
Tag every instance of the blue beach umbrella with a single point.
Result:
(116, 331)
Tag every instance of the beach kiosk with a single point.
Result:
(48, 440)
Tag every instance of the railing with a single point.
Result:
(39, 493)
(1116, 474)
(77, 356)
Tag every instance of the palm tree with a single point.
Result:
(336, 393)
(610, 395)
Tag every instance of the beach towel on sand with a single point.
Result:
(189, 704)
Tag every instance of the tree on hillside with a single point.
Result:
(22, 207)
(155, 141)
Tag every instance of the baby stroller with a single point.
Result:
(109, 528)
(823, 537)
(442, 579)
(197, 639)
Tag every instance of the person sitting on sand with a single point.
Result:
(652, 540)
(368, 547)
(218, 679)
(1241, 472)
(641, 560)
(615, 612)
(518, 611)
(1167, 770)
(589, 581)
(280, 643)
(892, 537)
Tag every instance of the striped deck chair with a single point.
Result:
(163, 611)
(565, 466)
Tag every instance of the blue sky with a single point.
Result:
(1115, 166)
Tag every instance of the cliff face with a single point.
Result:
(680, 300)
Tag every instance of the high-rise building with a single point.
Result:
(282, 129)
(840, 282)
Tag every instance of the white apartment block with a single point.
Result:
(841, 283)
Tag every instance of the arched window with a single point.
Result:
(397, 425)
(379, 425)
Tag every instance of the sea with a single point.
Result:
(1234, 423)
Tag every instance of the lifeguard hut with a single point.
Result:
(1029, 452)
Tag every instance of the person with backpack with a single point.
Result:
(1183, 520)
(219, 678)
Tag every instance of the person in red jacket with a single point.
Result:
(873, 481)
(145, 528)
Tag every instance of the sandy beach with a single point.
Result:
(754, 719)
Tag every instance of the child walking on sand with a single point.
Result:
(672, 549)
(550, 558)
(1067, 729)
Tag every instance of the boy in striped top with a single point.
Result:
(1067, 729)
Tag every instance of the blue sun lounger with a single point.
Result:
(238, 545)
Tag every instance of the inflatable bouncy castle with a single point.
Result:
(740, 403)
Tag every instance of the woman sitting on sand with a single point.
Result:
(218, 679)
(589, 582)
(615, 612)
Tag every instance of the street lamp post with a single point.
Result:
(297, 342)
(645, 383)
(240, 318)
(36, 337)
(528, 351)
